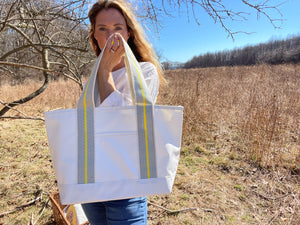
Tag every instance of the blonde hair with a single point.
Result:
(140, 47)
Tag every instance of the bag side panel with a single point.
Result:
(61, 129)
(168, 133)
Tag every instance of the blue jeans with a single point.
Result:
(119, 212)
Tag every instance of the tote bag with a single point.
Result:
(119, 152)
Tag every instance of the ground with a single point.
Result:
(239, 159)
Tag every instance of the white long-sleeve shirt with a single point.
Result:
(122, 95)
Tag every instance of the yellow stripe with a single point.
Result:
(145, 121)
(85, 132)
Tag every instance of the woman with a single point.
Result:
(110, 19)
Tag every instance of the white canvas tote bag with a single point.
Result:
(109, 153)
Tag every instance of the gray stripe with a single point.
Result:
(151, 141)
(90, 127)
(96, 91)
(91, 98)
(90, 93)
(80, 146)
(91, 146)
(142, 142)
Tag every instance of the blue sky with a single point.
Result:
(180, 40)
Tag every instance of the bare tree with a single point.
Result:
(220, 11)
(45, 35)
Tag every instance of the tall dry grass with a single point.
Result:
(59, 94)
(256, 109)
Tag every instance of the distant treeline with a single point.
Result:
(272, 52)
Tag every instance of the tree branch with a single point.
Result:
(8, 14)
(21, 206)
(18, 117)
(219, 10)
(3, 57)
(43, 46)
(172, 211)
(41, 211)
(260, 8)
(32, 19)
(24, 35)
(38, 68)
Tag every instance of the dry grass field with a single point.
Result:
(240, 159)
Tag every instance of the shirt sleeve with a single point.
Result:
(119, 98)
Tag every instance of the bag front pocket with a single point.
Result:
(116, 156)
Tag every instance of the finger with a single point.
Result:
(118, 35)
(110, 41)
(120, 44)
(107, 46)
(113, 40)
(116, 42)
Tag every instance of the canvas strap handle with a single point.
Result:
(144, 108)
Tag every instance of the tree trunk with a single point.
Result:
(6, 108)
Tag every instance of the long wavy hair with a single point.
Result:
(140, 47)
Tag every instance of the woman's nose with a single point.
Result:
(109, 33)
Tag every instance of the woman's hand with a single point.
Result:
(112, 56)
(112, 59)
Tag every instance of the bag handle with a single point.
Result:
(138, 88)
(144, 110)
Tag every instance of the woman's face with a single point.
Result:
(109, 21)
